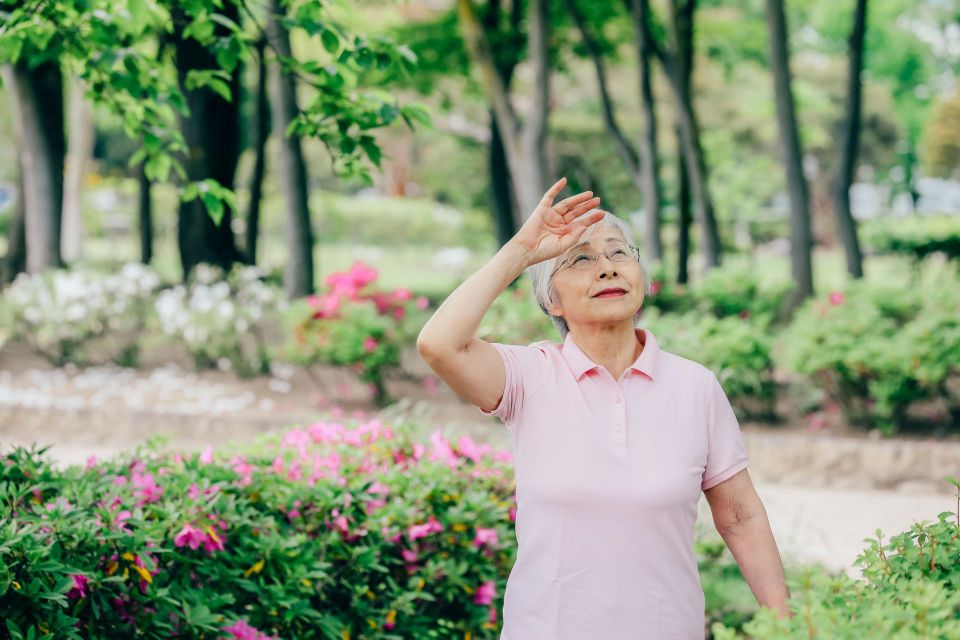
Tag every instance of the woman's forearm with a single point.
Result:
(753, 547)
(454, 324)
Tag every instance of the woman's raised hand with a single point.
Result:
(554, 228)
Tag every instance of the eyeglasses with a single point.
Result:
(584, 260)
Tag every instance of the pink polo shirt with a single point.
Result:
(609, 474)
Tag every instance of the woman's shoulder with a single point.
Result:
(683, 368)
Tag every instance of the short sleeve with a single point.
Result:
(525, 368)
(726, 451)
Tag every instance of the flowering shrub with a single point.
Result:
(330, 531)
(68, 315)
(910, 590)
(876, 350)
(222, 318)
(355, 324)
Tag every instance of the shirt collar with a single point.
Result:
(645, 363)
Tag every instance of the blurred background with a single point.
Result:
(222, 218)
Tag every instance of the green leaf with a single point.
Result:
(331, 41)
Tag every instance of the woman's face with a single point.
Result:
(577, 290)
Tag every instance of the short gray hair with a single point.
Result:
(542, 272)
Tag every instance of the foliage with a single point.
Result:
(355, 324)
(332, 531)
(115, 47)
(915, 237)
(876, 349)
(70, 316)
(223, 317)
(910, 590)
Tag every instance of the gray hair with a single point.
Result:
(542, 272)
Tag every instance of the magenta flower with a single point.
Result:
(485, 594)
(422, 302)
(471, 449)
(189, 536)
(206, 456)
(369, 344)
(409, 555)
(485, 536)
(79, 588)
(422, 530)
(241, 630)
(146, 488)
(836, 297)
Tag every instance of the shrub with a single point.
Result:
(910, 590)
(331, 531)
(877, 349)
(70, 315)
(354, 324)
(516, 318)
(222, 319)
(916, 237)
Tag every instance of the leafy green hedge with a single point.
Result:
(910, 589)
(915, 236)
(878, 349)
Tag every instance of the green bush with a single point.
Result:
(875, 350)
(516, 318)
(915, 236)
(910, 590)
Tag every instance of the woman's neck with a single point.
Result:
(614, 347)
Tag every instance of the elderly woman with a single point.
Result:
(613, 440)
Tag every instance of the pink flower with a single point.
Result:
(836, 297)
(409, 555)
(326, 306)
(147, 490)
(206, 456)
(655, 287)
(441, 449)
(431, 384)
(485, 536)
(422, 530)
(402, 294)
(79, 588)
(485, 594)
(91, 462)
(471, 449)
(493, 615)
(369, 344)
(512, 514)
(398, 313)
(240, 630)
(189, 536)
(422, 303)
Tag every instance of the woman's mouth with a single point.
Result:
(611, 293)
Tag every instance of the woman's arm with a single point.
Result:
(741, 520)
(455, 322)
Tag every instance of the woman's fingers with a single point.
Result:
(548, 197)
(580, 209)
(564, 206)
(577, 226)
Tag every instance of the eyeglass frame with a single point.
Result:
(596, 258)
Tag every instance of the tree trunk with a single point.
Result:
(500, 189)
(37, 105)
(211, 132)
(525, 146)
(684, 217)
(849, 144)
(262, 129)
(801, 240)
(145, 214)
(15, 261)
(678, 69)
(298, 235)
(649, 155)
(79, 149)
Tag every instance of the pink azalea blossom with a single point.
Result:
(471, 449)
(493, 615)
(146, 488)
(409, 555)
(485, 536)
(189, 536)
(402, 294)
(836, 297)
(422, 303)
(79, 588)
(241, 630)
(422, 530)
(441, 449)
(655, 287)
(206, 456)
(91, 462)
(369, 344)
(485, 594)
